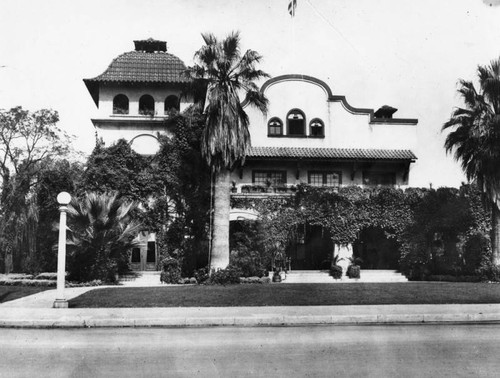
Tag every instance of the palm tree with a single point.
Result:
(475, 139)
(225, 74)
(102, 231)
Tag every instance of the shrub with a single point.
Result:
(230, 275)
(450, 278)
(336, 271)
(250, 280)
(489, 272)
(46, 276)
(476, 251)
(247, 249)
(255, 280)
(102, 233)
(171, 271)
(201, 275)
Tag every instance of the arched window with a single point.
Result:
(275, 127)
(316, 128)
(147, 105)
(296, 123)
(171, 103)
(120, 104)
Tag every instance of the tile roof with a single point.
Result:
(139, 66)
(330, 153)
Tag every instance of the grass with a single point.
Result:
(9, 293)
(291, 295)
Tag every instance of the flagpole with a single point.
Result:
(292, 5)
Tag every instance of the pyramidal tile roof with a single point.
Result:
(144, 67)
(330, 153)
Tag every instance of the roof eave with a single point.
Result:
(344, 160)
(93, 88)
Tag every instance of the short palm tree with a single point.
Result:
(225, 74)
(102, 231)
(475, 140)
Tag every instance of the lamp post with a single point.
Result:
(63, 199)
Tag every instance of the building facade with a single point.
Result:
(308, 135)
(133, 97)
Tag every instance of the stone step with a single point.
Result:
(316, 276)
(141, 279)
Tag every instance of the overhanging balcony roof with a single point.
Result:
(330, 153)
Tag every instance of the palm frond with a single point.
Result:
(226, 75)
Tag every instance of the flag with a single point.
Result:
(291, 7)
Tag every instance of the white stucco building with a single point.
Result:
(310, 134)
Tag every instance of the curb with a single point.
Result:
(248, 321)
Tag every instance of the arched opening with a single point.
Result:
(145, 144)
(296, 123)
(312, 249)
(147, 105)
(171, 103)
(120, 104)
(376, 250)
(275, 127)
(316, 128)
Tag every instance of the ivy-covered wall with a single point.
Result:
(443, 231)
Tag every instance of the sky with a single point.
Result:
(404, 53)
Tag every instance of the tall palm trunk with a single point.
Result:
(495, 234)
(220, 241)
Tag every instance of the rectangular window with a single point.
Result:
(274, 130)
(332, 179)
(136, 255)
(379, 178)
(273, 178)
(151, 255)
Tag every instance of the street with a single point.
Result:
(318, 351)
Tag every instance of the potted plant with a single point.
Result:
(354, 270)
(335, 269)
(277, 275)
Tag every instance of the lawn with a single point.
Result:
(291, 295)
(9, 293)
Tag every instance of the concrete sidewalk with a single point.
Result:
(35, 312)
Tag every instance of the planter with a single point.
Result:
(354, 271)
(336, 272)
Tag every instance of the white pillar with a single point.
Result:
(61, 302)
(344, 251)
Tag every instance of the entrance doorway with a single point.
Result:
(376, 250)
(313, 249)
(144, 257)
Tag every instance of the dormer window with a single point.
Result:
(296, 123)
(171, 103)
(275, 127)
(120, 104)
(147, 105)
(316, 128)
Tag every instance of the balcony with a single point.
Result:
(255, 190)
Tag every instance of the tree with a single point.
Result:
(119, 168)
(225, 73)
(182, 208)
(102, 233)
(475, 140)
(56, 176)
(27, 141)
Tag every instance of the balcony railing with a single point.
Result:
(263, 189)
